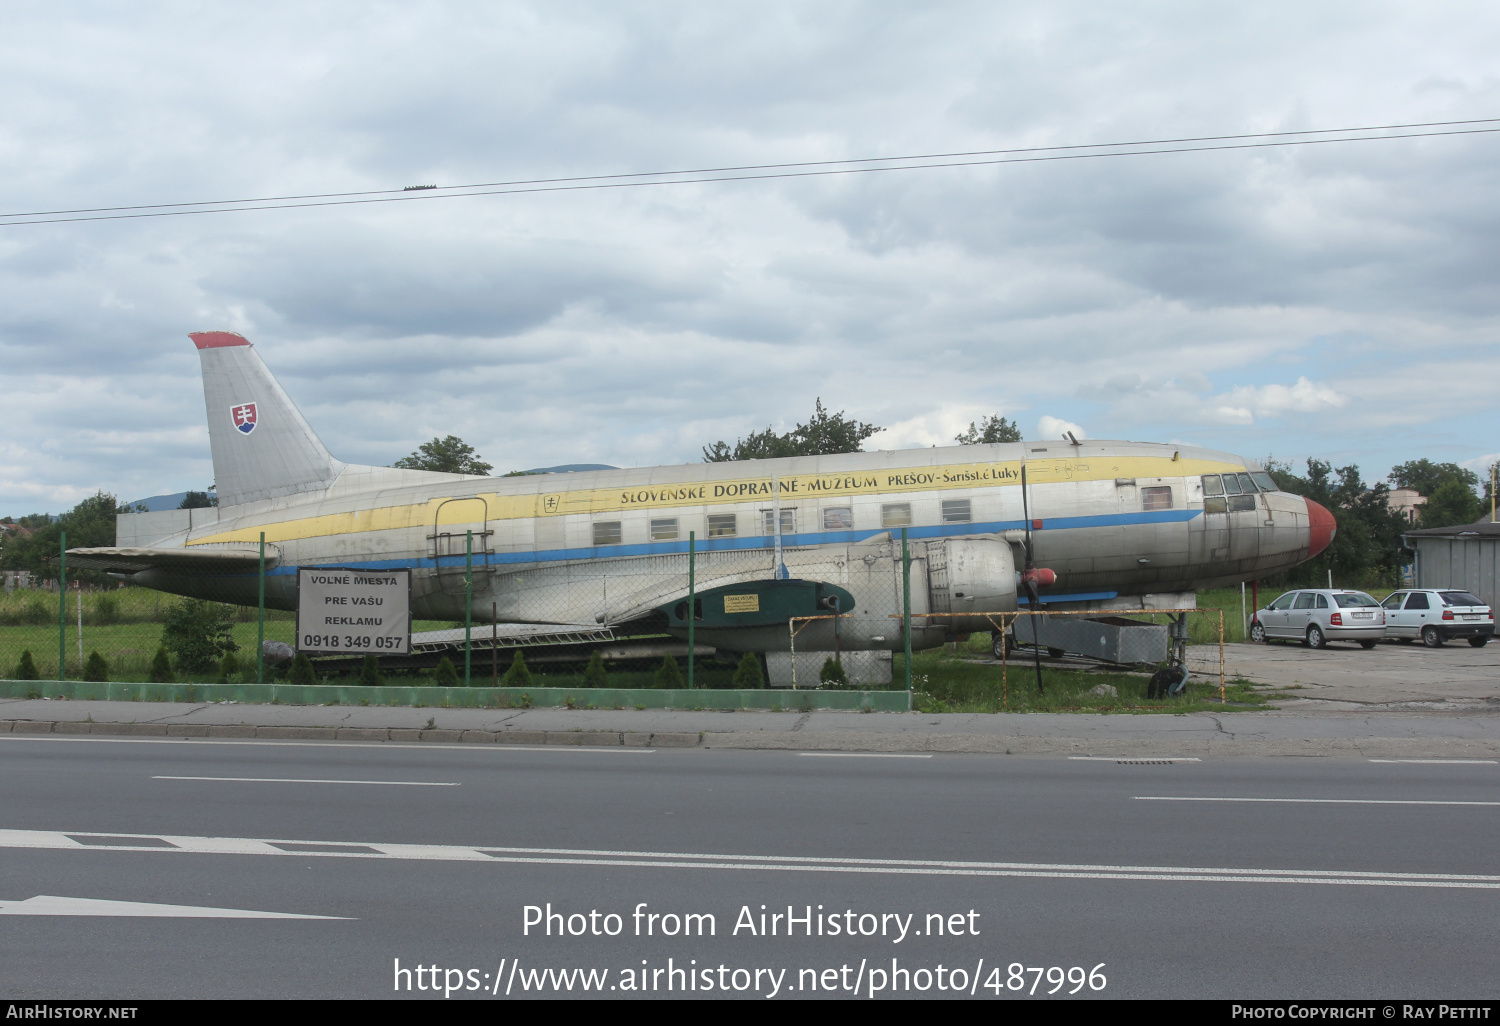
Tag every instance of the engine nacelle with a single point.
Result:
(971, 575)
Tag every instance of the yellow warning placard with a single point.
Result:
(741, 603)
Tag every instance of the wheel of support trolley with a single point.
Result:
(1257, 632)
(1367, 644)
(1056, 653)
(1432, 637)
(1479, 640)
(1315, 638)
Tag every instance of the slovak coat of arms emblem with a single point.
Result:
(243, 417)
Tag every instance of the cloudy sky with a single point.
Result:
(1337, 301)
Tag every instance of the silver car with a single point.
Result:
(1317, 616)
(1437, 614)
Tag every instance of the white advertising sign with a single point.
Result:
(353, 611)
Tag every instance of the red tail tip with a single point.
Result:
(1321, 527)
(217, 339)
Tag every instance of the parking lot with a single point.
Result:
(1391, 672)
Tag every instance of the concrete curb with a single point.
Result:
(1223, 746)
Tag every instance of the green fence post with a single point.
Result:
(260, 619)
(906, 609)
(468, 601)
(692, 554)
(62, 608)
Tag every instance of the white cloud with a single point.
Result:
(1051, 428)
(1273, 400)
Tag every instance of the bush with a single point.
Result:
(161, 668)
(229, 669)
(95, 668)
(594, 674)
(748, 674)
(445, 676)
(832, 672)
(518, 676)
(369, 671)
(37, 612)
(26, 668)
(302, 671)
(107, 610)
(667, 674)
(197, 633)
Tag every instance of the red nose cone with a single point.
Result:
(1321, 528)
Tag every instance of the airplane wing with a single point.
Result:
(197, 560)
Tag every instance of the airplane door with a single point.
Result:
(1245, 517)
(449, 542)
(1211, 536)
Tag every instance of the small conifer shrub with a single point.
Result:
(369, 671)
(748, 674)
(832, 672)
(667, 674)
(302, 671)
(26, 668)
(594, 674)
(518, 676)
(445, 676)
(96, 668)
(161, 668)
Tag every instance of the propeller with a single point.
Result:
(1033, 595)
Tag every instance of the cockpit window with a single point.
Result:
(1246, 485)
(1213, 484)
(1232, 484)
(1263, 480)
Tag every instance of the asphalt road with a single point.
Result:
(1343, 878)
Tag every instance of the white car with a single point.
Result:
(1316, 616)
(1437, 614)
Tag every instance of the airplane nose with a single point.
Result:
(1321, 527)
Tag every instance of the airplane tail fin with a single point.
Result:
(262, 446)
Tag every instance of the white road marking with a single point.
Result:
(1310, 801)
(52, 905)
(1442, 762)
(1133, 758)
(54, 840)
(478, 746)
(865, 755)
(290, 780)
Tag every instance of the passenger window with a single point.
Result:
(1304, 600)
(607, 532)
(956, 511)
(1394, 601)
(1418, 600)
(664, 529)
(895, 514)
(1322, 601)
(1231, 484)
(1212, 485)
(788, 521)
(721, 525)
(1156, 498)
(838, 519)
(1284, 601)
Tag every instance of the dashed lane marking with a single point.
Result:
(1311, 801)
(290, 780)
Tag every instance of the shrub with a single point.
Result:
(229, 669)
(594, 674)
(26, 668)
(748, 674)
(445, 676)
(369, 671)
(302, 671)
(107, 609)
(161, 668)
(518, 676)
(667, 674)
(197, 633)
(832, 672)
(95, 669)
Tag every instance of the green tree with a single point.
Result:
(161, 667)
(832, 672)
(518, 676)
(1367, 545)
(302, 671)
(451, 455)
(667, 674)
(26, 668)
(96, 668)
(1427, 477)
(369, 671)
(446, 676)
(594, 674)
(824, 434)
(197, 500)
(229, 669)
(748, 674)
(1452, 503)
(198, 633)
(990, 430)
(90, 524)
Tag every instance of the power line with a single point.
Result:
(755, 172)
